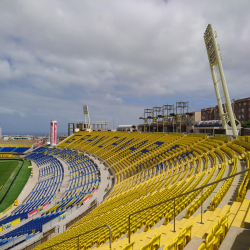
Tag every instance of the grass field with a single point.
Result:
(17, 186)
(6, 169)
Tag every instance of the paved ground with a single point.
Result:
(237, 238)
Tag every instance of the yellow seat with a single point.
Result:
(129, 246)
(181, 239)
(210, 242)
(202, 246)
(173, 245)
(188, 233)
(148, 246)
(156, 241)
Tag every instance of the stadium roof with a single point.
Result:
(212, 123)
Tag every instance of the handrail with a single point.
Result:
(173, 198)
(105, 225)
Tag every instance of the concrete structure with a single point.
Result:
(74, 127)
(214, 127)
(169, 123)
(169, 118)
(53, 132)
(130, 128)
(99, 126)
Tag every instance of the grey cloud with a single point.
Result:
(116, 56)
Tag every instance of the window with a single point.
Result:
(239, 116)
(242, 110)
(239, 110)
(203, 117)
(240, 104)
(242, 116)
(244, 103)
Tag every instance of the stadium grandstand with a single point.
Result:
(14, 148)
(170, 191)
(106, 190)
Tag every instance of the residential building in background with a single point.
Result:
(241, 109)
(207, 114)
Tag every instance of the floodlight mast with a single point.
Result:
(214, 59)
(86, 117)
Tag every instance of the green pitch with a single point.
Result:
(17, 186)
(6, 169)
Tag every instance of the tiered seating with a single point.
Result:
(151, 168)
(44, 190)
(243, 187)
(40, 150)
(223, 190)
(215, 228)
(130, 204)
(84, 179)
(7, 149)
(30, 228)
(14, 149)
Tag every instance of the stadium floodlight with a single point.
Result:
(86, 117)
(85, 110)
(214, 58)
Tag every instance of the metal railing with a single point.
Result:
(173, 198)
(105, 225)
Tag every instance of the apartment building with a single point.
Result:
(241, 109)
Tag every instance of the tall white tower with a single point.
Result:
(53, 132)
(220, 86)
(86, 118)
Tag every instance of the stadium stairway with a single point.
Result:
(66, 179)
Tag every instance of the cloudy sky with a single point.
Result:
(118, 57)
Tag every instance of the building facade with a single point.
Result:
(241, 109)
(207, 114)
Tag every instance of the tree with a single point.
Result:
(245, 124)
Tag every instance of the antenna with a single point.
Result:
(220, 85)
